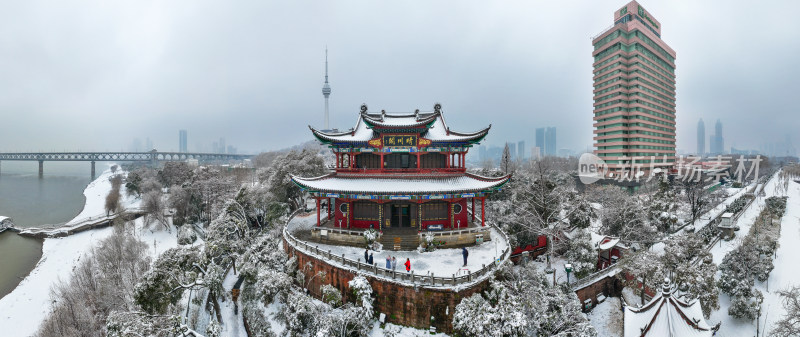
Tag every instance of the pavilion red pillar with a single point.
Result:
(447, 161)
(473, 209)
(483, 211)
(349, 214)
(330, 203)
(317, 212)
(418, 159)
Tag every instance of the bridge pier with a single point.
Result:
(92, 170)
(41, 169)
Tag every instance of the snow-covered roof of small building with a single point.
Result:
(430, 125)
(666, 316)
(603, 242)
(727, 215)
(400, 184)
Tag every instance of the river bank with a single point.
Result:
(23, 309)
(33, 201)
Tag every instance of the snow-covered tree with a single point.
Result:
(628, 221)
(692, 269)
(99, 285)
(746, 307)
(789, 324)
(581, 254)
(506, 164)
(174, 271)
(644, 271)
(305, 163)
(581, 211)
(493, 313)
(696, 196)
(521, 303)
(661, 207)
(135, 324)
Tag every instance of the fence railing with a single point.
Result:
(424, 280)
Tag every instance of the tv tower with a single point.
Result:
(326, 90)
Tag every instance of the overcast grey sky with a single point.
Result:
(94, 75)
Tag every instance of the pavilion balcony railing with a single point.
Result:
(401, 170)
(412, 279)
(469, 230)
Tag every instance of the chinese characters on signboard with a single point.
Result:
(399, 140)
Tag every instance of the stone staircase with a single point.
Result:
(400, 239)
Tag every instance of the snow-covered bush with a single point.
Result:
(331, 295)
(186, 235)
(369, 236)
(299, 314)
(362, 291)
(213, 329)
(259, 323)
(271, 283)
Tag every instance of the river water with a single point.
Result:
(32, 202)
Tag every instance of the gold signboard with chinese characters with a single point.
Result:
(400, 140)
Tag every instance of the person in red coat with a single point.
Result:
(408, 265)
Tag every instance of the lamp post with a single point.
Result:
(568, 269)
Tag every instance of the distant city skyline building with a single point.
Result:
(550, 141)
(717, 140)
(546, 141)
(521, 150)
(536, 153)
(634, 92)
(326, 91)
(540, 138)
(182, 141)
(512, 150)
(701, 137)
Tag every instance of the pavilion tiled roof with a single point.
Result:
(431, 125)
(401, 184)
(667, 316)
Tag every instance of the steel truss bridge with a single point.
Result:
(152, 157)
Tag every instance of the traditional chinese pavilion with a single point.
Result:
(400, 171)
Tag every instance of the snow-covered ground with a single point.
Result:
(442, 262)
(606, 318)
(401, 331)
(22, 310)
(785, 274)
